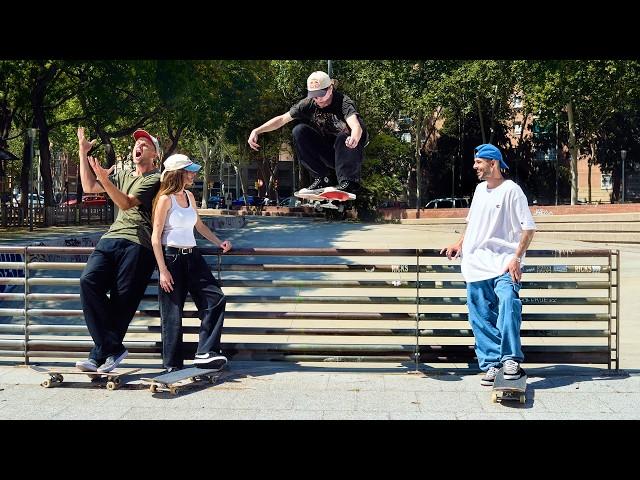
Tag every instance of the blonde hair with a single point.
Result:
(173, 182)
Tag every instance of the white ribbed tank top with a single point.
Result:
(178, 225)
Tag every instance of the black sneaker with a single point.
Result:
(316, 187)
(349, 186)
(112, 362)
(213, 360)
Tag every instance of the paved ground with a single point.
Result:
(259, 390)
(253, 390)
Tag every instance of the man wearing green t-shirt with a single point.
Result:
(123, 261)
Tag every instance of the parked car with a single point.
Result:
(449, 202)
(251, 200)
(215, 201)
(93, 200)
(34, 199)
(290, 202)
(69, 199)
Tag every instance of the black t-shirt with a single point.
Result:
(328, 121)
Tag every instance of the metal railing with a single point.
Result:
(12, 216)
(313, 304)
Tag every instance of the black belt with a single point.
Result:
(176, 250)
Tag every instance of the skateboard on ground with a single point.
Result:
(325, 198)
(504, 389)
(56, 375)
(174, 381)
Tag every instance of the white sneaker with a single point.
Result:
(88, 365)
(489, 376)
(112, 362)
(511, 370)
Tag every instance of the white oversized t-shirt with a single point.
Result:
(495, 223)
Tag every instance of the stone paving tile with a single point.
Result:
(621, 402)
(82, 412)
(572, 402)
(449, 402)
(353, 415)
(354, 382)
(387, 402)
(289, 415)
(139, 413)
(411, 383)
(422, 416)
(327, 400)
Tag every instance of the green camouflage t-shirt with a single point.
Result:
(135, 223)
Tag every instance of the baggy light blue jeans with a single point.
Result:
(495, 314)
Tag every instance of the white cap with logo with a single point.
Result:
(317, 84)
(179, 161)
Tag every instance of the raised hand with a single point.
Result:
(253, 140)
(101, 173)
(85, 145)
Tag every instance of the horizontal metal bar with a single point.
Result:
(12, 265)
(559, 253)
(83, 354)
(12, 297)
(56, 266)
(12, 353)
(573, 333)
(11, 312)
(11, 280)
(12, 328)
(54, 281)
(60, 250)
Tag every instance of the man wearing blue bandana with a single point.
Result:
(500, 228)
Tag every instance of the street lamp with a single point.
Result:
(623, 155)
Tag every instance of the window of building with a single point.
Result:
(517, 102)
(517, 128)
(605, 182)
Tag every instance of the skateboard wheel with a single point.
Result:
(523, 399)
(116, 381)
(153, 388)
(59, 378)
(174, 390)
(111, 386)
(46, 383)
(494, 397)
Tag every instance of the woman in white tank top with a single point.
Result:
(183, 269)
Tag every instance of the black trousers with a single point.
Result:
(122, 268)
(191, 274)
(321, 155)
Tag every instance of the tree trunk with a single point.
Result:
(484, 136)
(204, 151)
(592, 161)
(418, 162)
(574, 151)
(493, 114)
(39, 117)
(24, 175)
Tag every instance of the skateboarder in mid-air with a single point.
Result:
(330, 136)
(183, 268)
(499, 230)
